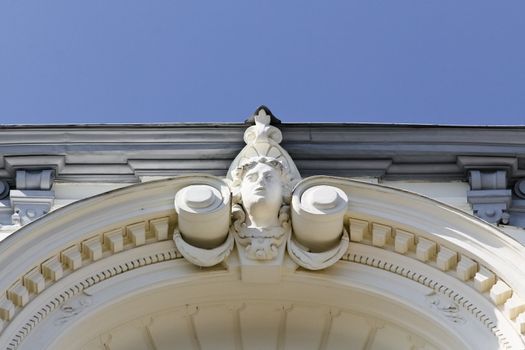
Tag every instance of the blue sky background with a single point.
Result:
(116, 61)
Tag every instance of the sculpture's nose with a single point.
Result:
(260, 181)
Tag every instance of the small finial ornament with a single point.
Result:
(262, 131)
(262, 117)
(262, 140)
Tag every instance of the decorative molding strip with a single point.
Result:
(74, 257)
(79, 287)
(125, 152)
(465, 269)
(71, 258)
(438, 288)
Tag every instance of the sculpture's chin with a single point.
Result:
(257, 203)
(262, 212)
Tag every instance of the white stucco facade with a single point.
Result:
(204, 261)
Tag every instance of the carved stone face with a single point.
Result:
(261, 191)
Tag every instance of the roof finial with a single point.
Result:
(262, 140)
(262, 131)
(273, 119)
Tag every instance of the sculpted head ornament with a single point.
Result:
(260, 180)
(261, 186)
(261, 194)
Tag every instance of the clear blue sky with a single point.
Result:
(418, 61)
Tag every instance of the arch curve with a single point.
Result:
(396, 236)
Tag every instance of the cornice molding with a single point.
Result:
(124, 153)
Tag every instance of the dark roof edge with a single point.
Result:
(243, 125)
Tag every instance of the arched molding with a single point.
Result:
(96, 230)
(54, 298)
(365, 291)
(449, 297)
(79, 234)
(433, 220)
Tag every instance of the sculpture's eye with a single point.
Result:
(252, 177)
(268, 176)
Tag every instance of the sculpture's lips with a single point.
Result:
(259, 190)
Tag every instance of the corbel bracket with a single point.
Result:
(489, 196)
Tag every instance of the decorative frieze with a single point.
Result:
(400, 241)
(464, 268)
(69, 259)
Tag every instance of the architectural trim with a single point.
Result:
(264, 225)
(125, 153)
(376, 218)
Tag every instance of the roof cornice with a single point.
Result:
(126, 152)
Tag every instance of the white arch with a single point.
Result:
(78, 240)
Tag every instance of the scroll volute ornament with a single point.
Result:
(319, 238)
(317, 217)
(203, 213)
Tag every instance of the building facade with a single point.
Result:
(262, 235)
